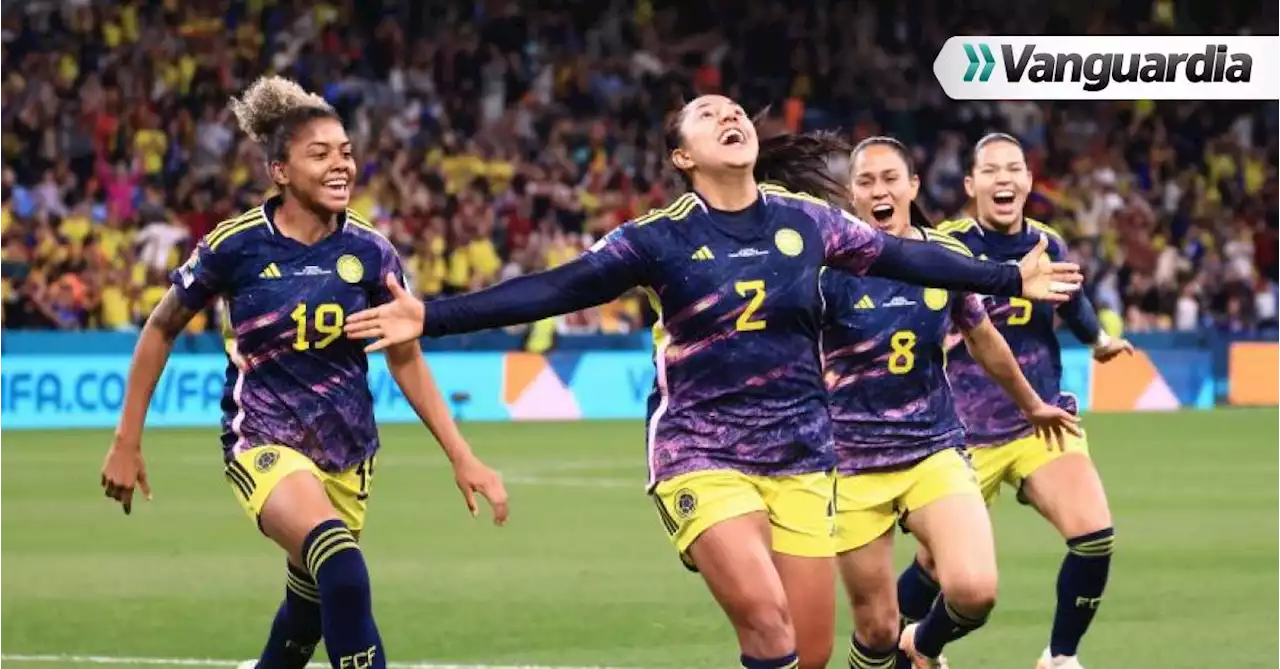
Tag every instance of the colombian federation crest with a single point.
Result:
(686, 502)
(789, 242)
(265, 460)
(935, 298)
(350, 269)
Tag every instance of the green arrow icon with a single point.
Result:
(988, 62)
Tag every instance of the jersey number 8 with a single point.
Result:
(903, 357)
(328, 320)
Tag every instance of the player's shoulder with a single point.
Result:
(962, 229)
(1057, 242)
(360, 231)
(946, 241)
(803, 204)
(239, 232)
(674, 212)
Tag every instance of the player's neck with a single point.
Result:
(1011, 230)
(302, 224)
(731, 191)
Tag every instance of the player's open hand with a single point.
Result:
(1045, 280)
(395, 322)
(473, 476)
(1108, 349)
(124, 471)
(1053, 424)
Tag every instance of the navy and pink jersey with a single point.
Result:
(305, 383)
(884, 359)
(989, 415)
(738, 381)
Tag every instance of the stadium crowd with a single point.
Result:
(496, 138)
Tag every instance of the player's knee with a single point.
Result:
(877, 621)
(972, 592)
(767, 628)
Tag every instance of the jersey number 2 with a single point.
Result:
(754, 292)
(328, 319)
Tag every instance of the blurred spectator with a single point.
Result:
(497, 138)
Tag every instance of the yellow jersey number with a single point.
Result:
(1020, 311)
(754, 293)
(902, 359)
(326, 319)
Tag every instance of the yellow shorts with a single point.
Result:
(867, 505)
(800, 507)
(256, 472)
(1013, 462)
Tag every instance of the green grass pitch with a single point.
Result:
(583, 575)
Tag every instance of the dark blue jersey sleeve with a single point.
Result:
(203, 277)
(933, 265)
(1078, 312)
(613, 266)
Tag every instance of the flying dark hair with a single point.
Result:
(800, 163)
(918, 217)
(273, 109)
(990, 138)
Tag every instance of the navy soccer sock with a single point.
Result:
(346, 605)
(943, 624)
(296, 629)
(862, 656)
(916, 592)
(788, 662)
(1081, 581)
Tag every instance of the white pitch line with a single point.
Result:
(209, 662)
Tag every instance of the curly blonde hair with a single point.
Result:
(272, 109)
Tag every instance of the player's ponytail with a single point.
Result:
(802, 163)
(919, 219)
(273, 109)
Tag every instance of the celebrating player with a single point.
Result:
(739, 440)
(299, 437)
(897, 435)
(1061, 483)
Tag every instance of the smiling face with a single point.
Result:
(319, 169)
(883, 188)
(713, 133)
(999, 183)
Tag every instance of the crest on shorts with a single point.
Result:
(789, 242)
(350, 269)
(265, 460)
(935, 298)
(686, 503)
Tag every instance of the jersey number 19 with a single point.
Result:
(327, 320)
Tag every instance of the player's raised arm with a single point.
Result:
(611, 268)
(854, 246)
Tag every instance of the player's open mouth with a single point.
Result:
(882, 212)
(1003, 198)
(732, 136)
(336, 186)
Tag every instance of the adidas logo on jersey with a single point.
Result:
(865, 303)
(703, 253)
(271, 272)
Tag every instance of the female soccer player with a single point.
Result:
(299, 437)
(898, 440)
(1061, 483)
(739, 439)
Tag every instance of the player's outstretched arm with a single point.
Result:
(412, 374)
(589, 280)
(1036, 277)
(988, 347)
(1082, 320)
(124, 468)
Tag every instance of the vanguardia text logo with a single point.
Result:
(1083, 68)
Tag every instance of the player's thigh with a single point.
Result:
(284, 492)
(801, 516)
(1066, 489)
(690, 504)
(870, 582)
(349, 493)
(735, 560)
(946, 511)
